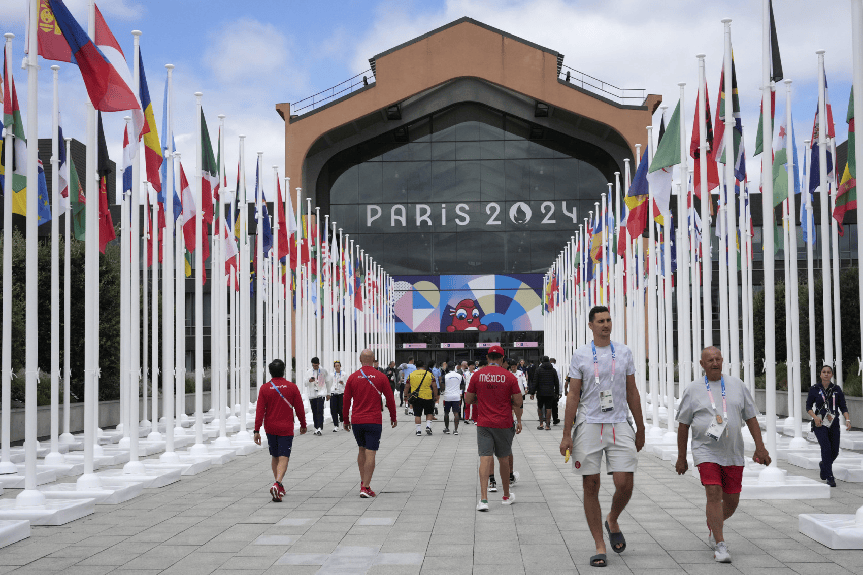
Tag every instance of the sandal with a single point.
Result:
(540, 427)
(599, 560)
(616, 539)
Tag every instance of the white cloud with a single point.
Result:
(15, 11)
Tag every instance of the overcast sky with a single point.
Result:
(248, 56)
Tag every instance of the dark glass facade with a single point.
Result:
(467, 190)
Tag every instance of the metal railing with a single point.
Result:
(351, 84)
(625, 96)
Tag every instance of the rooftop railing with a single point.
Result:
(624, 96)
(323, 97)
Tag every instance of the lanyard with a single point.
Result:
(596, 362)
(712, 403)
(283, 397)
(821, 391)
(363, 374)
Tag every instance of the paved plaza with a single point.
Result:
(423, 519)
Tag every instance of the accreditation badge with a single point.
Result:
(606, 401)
(716, 428)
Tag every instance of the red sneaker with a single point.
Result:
(364, 492)
(274, 491)
(370, 493)
(281, 490)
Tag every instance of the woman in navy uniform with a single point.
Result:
(824, 404)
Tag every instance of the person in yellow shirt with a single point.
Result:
(422, 382)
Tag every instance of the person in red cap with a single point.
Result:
(362, 412)
(496, 393)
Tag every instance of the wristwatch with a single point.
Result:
(257, 432)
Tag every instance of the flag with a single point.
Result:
(846, 195)
(188, 222)
(106, 225)
(209, 172)
(12, 121)
(127, 166)
(110, 48)
(621, 232)
(759, 143)
(597, 242)
(267, 229)
(780, 165)
(661, 127)
(807, 217)
(107, 89)
(63, 168)
(815, 163)
(775, 61)
(695, 148)
(52, 45)
(287, 225)
(667, 156)
(44, 209)
(719, 136)
(152, 147)
(358, 280)
(78, 201)
(636, 200)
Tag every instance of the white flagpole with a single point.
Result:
(327, 350)
(772, 473)
(288, 311)
(66, 437)
(54, 457)
(727, 180)
(795, 385)
(220, 318)
(135, 284)
(259, 278)
(168, 281)
(684, 317)
(199, 449)
(746, 294)
(857, 59)
(125, 312)
(180, 276)
(154, 434)
(827, 288)
(652, 343)
(245, 301)
(276, 267)
(670, 435)
(707, 259)
(834, 234)
(319, 333)
(6, 465)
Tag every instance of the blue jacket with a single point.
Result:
(817, 396)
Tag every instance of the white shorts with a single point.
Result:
(591, 440)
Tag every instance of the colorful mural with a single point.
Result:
(468, 303)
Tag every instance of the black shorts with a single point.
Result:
(546, 401)
(280, 445)
(453, 406)
(423, 407)
(368, 435)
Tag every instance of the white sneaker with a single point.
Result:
(721, 553)
(514, 479)
(482, 506)
(508, 500)
(419, 433)
(335, 430)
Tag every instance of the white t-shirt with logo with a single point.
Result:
(581, 367)
(452, 383)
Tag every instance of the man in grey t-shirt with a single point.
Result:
(602, 392)
(716, 408)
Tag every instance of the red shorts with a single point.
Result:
(730, 477)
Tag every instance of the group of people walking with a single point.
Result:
(602, 420)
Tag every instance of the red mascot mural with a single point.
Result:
(466, 317)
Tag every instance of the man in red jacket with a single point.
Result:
(278, 400)
(363, 392)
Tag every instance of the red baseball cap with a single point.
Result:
(495, 350)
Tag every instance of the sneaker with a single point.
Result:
(370, 493)
(364, 492)
(513, 478)
(419, 433)
(281, 489)
(720, 554)
(335, 430)
(446, 429)
(274, 492)
(492, 486)
(831, 482)
(428, 430)
(318, 432)
(508, 500)
(455, 432)
(406, 411)
(482, 505)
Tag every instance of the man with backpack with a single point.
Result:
(422, 392)
(546, 388)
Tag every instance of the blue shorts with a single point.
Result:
(280, 445)
(453, 406)
(368, 435)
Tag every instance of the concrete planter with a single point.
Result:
(109, 415)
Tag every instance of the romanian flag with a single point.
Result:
(152, 148)
(636, 201)
(597, 242)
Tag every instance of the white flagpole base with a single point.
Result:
(13, 531)
(834, 531)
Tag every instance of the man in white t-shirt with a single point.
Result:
(451, 394)
(602, 381)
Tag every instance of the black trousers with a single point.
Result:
(317, 404)
(336, 403)
(828, 439)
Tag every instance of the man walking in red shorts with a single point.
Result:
(278, 400)
(716, 408)
(363, 392)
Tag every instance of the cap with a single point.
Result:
(495, 350)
